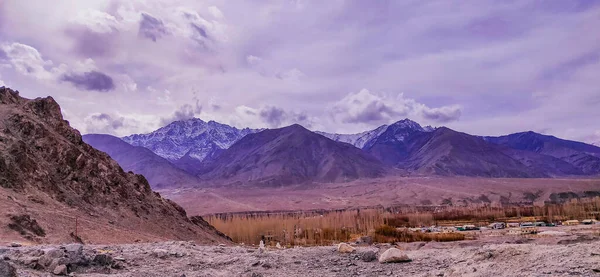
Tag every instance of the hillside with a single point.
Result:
(49, 177)
(159, 172)
(584, 157)
(291, 155)
(447, 152)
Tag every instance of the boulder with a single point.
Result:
(368, 256)
(393, 255)
(160, 253)
(7, 270)
(103, 260)
(60, 270)
(345, 248)
(15, 244)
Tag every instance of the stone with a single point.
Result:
(364, 240)
(278, 246)
(368, 256)
(345, 248)
(160, 253)
(103, 260)
(74, 249)
(393, 255)
(60, 270)
(7, 270)
(15, 244)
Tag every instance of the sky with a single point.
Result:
(481, 67)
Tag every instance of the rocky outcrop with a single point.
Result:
(42, 157)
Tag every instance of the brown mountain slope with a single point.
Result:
(447, 152)
(159, 172)
(49, 177)
(291, 155)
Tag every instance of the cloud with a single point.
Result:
(443, 114)
(151, 27)
(367, 107)
(27, 60)
(186, 111)
(273, 116)
(276, 117)
(92, 80)
(103, 123)
(96, 21)
(215, 12)
(489, 57)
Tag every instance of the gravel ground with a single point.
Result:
(567, 257)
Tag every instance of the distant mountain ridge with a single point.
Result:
(198, 146)
(189, 141)
(291, 155)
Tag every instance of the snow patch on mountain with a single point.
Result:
(195, 137)
(401, 130)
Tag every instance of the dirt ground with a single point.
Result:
(375, 192)
(568, 251)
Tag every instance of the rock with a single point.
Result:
(160, 253)
(60, 270)
(345, 248)
(15, 244)
(74, 249)
(278, 246)
(365, 240)
(261, 245)
(393, 255)
(368, 256)
(7, 270)
(103, 260)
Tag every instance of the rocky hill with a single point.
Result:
(291, 155)
(57, 188)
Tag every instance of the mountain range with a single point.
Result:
(216, 153)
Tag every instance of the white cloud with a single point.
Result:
(373, 108)
(214, 11)
(28, 61)
(96, 21)
(253, 60)
(116, 123)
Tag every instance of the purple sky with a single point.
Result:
(482, 67)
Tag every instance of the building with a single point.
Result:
(570, 222)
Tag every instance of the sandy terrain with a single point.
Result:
(574, 254)
(386, 192)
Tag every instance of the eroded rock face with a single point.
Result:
(41, 154)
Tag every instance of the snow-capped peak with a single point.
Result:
(193, 136)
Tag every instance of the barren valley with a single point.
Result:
(385, 192)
